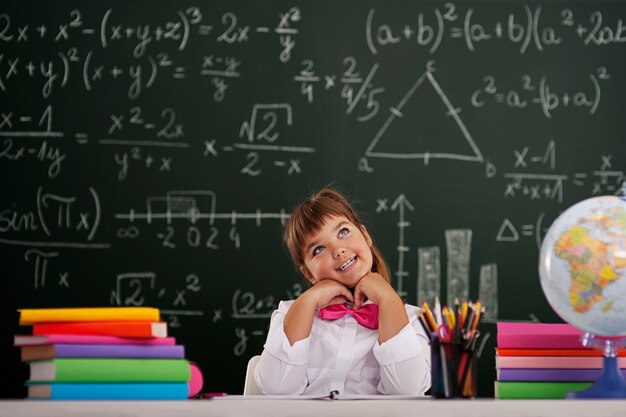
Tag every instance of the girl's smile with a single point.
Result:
(340, 250)
(347, 265)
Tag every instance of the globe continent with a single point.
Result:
(582, 266)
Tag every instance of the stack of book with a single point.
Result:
(542, 360)
(102, 353)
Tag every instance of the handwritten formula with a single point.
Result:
(151, 153)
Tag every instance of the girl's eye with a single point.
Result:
(343, 231)
(317, 250)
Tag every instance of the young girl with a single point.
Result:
(313, 346)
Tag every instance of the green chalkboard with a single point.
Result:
(151, 151)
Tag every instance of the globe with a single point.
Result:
(582, 266)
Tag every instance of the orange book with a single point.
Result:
(39, 315)
(104, 328)
(553, 352)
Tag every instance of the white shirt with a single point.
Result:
(344, 356)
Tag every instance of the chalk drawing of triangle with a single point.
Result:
(424, 125)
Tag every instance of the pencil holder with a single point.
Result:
(453, 367)
(467, 372)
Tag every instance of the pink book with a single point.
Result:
(28, 340)
(538, 335)
(553, 362)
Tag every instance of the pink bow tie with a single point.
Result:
(366, 316)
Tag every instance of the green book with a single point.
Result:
(110, 370)
(510, 389)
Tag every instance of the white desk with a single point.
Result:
(315, 408)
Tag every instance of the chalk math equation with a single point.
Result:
(151, 153)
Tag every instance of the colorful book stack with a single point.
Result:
(543, 360)
(101, 354)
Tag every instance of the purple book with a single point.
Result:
(579, 375)
(30, 353)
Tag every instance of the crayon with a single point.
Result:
(422, 320)
(457, 318)
(477, 316)
(429, 317)
(445, 316)
(209, 395)
(444, 370)
(469, 320)
(437, 312)
(451, 319)
(463, 314)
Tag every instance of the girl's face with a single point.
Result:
(339, 251)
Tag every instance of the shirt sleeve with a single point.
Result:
(281, 370)
(405, 360)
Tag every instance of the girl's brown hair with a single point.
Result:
(309, 217)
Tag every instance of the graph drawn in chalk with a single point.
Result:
(426, 113)
(457, 280)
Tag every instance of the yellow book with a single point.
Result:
(42, 315)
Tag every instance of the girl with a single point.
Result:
(314, 347)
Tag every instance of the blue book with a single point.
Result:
(111, 391)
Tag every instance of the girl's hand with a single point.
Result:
(328, 292)
(372, 287)
(299, 319)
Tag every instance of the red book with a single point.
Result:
(104, 328)
(553, 352)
